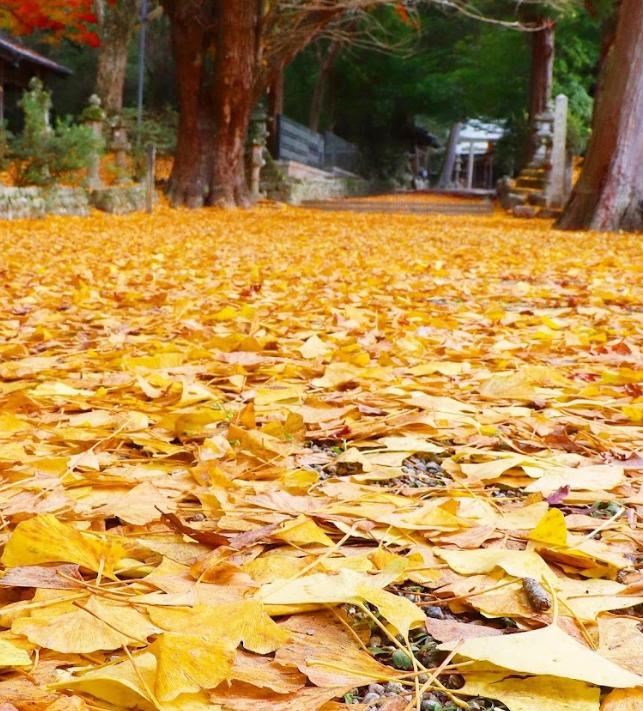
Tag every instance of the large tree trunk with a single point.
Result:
(542, 69)
(221, 73)
(189, 182)
(609, 193)
(116, 23)
(233, 83)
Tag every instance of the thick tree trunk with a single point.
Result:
(233, 82)
(609, 193)
(116, 23)
(221, 73)
(190, 173)
(542, 70)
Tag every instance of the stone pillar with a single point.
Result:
(258, 135)
(121, 147)
(556, 189)
(446, 177)
(543, 132)
(457, 183)
(93, 116)
(470, 165)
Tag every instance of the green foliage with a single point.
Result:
(401, 660)
(66, 149)
(5, 142)
(44, 155)
(159, 129)
(575, 71)
(458, 69)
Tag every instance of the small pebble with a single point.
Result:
(434, 611)
(394, 688)
(430, 705)
(370, 698)
(376, 689)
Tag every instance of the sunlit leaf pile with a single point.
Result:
(288, 460)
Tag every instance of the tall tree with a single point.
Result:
(116, 20)
(542, 68)
(226, 55)
(609, 192)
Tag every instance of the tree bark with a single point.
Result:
(542, 70)
(190, 173)
(609, 193)
(222, 71)
(116, 23)
(234, 77)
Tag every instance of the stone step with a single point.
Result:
(525, 181)
(530, 211)
(525, 191)
(537, 199)
(401, 207)
(533, 172)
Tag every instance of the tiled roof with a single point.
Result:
(20, 53)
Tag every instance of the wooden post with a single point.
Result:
(446, 177)
(150, 178)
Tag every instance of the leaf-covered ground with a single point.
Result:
(283, 459)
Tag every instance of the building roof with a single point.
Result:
(12, 50)
(478, 134)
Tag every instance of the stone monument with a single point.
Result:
(93, 116)
(557, 193)
(542, 188)
(258, 136)
(121, 146)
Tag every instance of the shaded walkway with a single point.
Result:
(432, 202)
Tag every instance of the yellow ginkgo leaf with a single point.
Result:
(101, 625)
(127, 684)
(187, 663)
(314, 347)
(243, 622)
(521, 564)
(551, 529)
(532, 693)
(322, 588)
(396, 609)
(623, 700)
(302, 531)
(547, 651)
(11, 655)
(45, 539)
(266, 673)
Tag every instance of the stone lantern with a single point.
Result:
(93, 117)
(258, 135)
(543, 136)
(121, 146)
